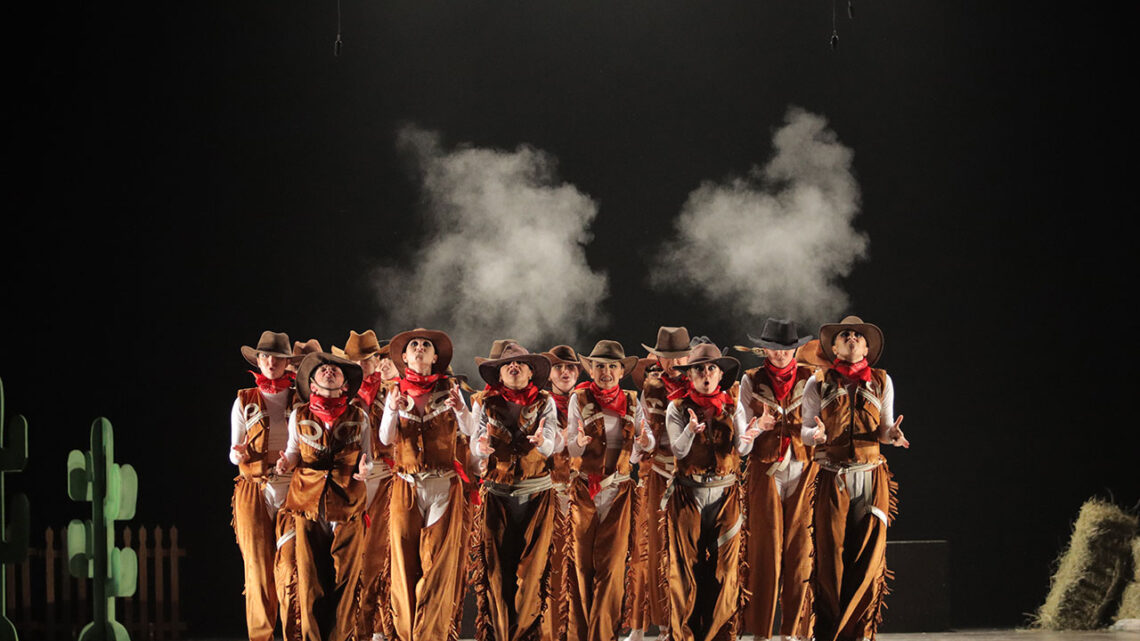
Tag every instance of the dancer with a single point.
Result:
(514, 526)
(327, 448)
(848, 412)
(777, 486)
(426, 523)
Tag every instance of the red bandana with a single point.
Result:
(781, 379)
(328, 409)
(369, 387)
(674, 389)
(594, 484)
(612, 399)
(562, 401)
(273, 385)
(717, 399)
(417, 385)
(854, 372)
(524, 396)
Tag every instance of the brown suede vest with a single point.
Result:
(508, 426)
(428, 442)
(654, 402)
(713, 450)
(257, 433)
(593, 459)
(329, 458)
(852, 423)
(768, 447)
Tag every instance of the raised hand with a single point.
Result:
(694, 426)
(753, 430)
(455, 401)
(283, 465)
(895, 434)
(583, 439)
(819, 433)
(484, 445)
(397, 400)
(643, 437)
(241, 449)
(537, 438)
(363, 470)
(767, 420)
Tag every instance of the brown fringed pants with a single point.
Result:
(597, 576)
(425, 581)
(639, 562)
(327, 570)
(513, 565)
(375, 614)
(254, 529)
(705, 541)
(557, 607)
(852, 511)
(779, 552)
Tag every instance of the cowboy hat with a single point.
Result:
(672, 342)
(643, 367)
(361, 346)
(710, 353)
(873, 334)
(497, 346)
(515, 353)
(440, 340)
(779, 333)
(353, 375)
(272, 343)
(564, 355)
(608, 351)
(300, 350)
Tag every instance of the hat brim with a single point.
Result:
(440, 340)
(760, 342)
(353, 375)
(629, 362)
(639, 372)
(539, 367)
(872, 333)
(666, 354)
(250, 354)
(727, 364)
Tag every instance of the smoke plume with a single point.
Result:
(773, 243)
(504, 256)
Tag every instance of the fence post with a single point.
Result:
(50, 621)
(129, 613)
(176, 553)
(162, 620)
(144, 584)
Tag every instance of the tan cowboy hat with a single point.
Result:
(810, 354)
(643, 367)
(496, 349)
(300, 350)
(873, 334)
(353, 375)
(564, 355)
(440, 340)
(672, 342)
(710, 353)
(272, 343)
(361, 346)
(515, 353)
(606, 351)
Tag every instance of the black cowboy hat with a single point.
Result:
(353, 375)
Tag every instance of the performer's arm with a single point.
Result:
(464, 416)
(389, 420)
(680, 436)
(365, 465)
(237, 434)
(573, 417)
(480, 419)
(642, 424)
(740, 419)
(889, 426)
(292, 452)
(810, 432)
(549, 421)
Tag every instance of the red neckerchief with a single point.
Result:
(562, 402)
(594, 484)
(524, 396)
(854, 372)
(328, 409)
(369, 387)
(781, 379)
(717, 399)
(416, 385)
(673, 389)
(612, 399)
(273, 385)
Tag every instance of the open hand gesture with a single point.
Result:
(643, 437)
(583, 439)
(752, 431)
(283, 465)
(241, 449)
(363, 470)
(455, 401)
(895, 434)
(484, 445)
(694, 426)
(537, 437)
(819, 433)
(767, 420)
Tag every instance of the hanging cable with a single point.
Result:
(339, 43)
(834, 28)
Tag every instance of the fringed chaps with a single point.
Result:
(254, 529)
(375, 613)
(597, 573)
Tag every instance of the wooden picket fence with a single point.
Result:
(46, 602)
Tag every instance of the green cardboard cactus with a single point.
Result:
(13, 534)
(112, 489)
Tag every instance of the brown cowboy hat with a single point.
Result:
(779, 333)
(607, 351)
(873, 334)
(564, 355)
(710, 353)
(642, 368)
(810, 354)
(515, 353)
(672, 342)
(440, 340)
(272, 343)
(496, 349)
(361, 346)
(300, 350)
(353, 375)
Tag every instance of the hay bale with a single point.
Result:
(1130, 601)
(1092, 571)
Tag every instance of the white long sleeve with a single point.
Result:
(573, 418)
(387, 429)
(293, 447)
(677, 426)
(811, 410)
(275, 414)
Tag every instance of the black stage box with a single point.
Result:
(920, 592)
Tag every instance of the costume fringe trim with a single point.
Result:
(477, 576)
(627, 586)
(569, 565)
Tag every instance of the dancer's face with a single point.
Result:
(705, 377)
(607, 373)
(369, 365)
(328, 380)
(670, 364)
(388, 369)
(849, 345)
(563, 377)
(272, 367)
(420, 355)
(515, 375)
(779, 357)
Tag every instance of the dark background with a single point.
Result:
(184, 175)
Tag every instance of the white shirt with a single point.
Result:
(549, 429)
(811, 410)
(612, 426)
(388, 422)
(277, 411)
(681, 437)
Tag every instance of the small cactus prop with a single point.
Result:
(14, 539)
(112, 489)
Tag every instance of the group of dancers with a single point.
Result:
(376, 487)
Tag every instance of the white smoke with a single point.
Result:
(776, 242)
(505, 253)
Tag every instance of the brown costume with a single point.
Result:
(854, 496)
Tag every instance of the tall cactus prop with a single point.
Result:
(112, 489)
(14, 543)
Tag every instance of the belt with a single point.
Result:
(697, 481)
(417, 477)
(525, 487)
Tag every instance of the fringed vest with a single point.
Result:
(257, 431)
(593, 459)
(770, 446)
(713, 450)
(654, 402)
(852, 422)
(508, 425)
(329, 458)
(429, 442)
